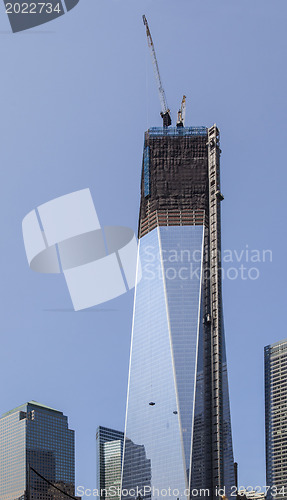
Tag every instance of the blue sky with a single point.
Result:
(76, 97)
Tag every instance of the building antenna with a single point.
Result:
(165, 112)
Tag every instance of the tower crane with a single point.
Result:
(181, 113)
(165, 112)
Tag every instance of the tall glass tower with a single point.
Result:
(178, 404)
(34, 436)
(109, 461)
(276, 418)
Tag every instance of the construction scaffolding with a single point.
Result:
(177, 191)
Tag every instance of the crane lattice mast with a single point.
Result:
(181, 113)
(165, 112)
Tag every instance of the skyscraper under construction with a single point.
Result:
(178, 429)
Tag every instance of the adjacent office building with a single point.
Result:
(109, 461)
(34, 437)
(255, 495)
(276, 418)
(178, 403)
(252, 495)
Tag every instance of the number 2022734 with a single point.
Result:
(33, 8)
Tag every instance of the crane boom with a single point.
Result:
(165, 112)
(183, 108)
(181, 113)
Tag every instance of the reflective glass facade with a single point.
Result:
(36, 436)
(12, 456)
(164, 357)
(276, 418)
(109, 462)
(178, 429)
(113, 451)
